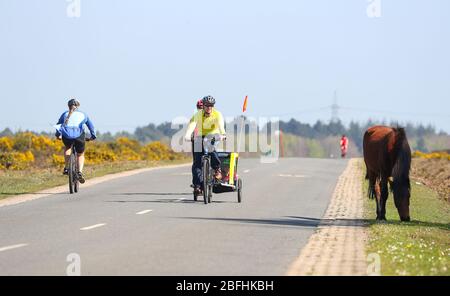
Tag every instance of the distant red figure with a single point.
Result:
(344, 146)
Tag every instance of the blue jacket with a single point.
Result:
(75, 126)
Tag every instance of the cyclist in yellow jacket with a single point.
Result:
(208, 122)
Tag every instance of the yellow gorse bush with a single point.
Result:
(158, 151)
(58, 160)
(42, 143)
(16, 160)
(6, 144)
(433, 155)
(128, 143)
(27, 149)
(97, 156)
(128, 154)
(23, 141)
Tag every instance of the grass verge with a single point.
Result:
(23, 182)
(419, 247)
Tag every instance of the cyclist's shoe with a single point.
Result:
(66, 171)
(81, 178)
(198, 190)
(218, 174)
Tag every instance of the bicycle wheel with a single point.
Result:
(76, 170)
(210, 195)
(210, 189)
(239, 190)
(205, 168)
(71, 173)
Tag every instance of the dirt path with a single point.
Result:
(338, 246)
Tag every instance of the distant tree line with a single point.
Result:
(319, 130)
(354, 131)
(144, 134)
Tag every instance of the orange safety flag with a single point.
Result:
(244, 108)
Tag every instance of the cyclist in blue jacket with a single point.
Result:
(71, 131)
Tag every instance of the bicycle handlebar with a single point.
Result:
(211, 142)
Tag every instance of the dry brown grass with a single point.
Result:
(434, 173)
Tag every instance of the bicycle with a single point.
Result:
(210, 183)
(209, 143)
(74, 183)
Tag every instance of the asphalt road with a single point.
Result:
(148, 224)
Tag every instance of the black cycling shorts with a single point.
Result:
(79, 143)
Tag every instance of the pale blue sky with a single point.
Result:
(135, 62)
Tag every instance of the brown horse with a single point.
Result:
(388, 159)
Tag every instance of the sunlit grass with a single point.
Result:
(419, 247)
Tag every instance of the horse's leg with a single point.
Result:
(372, 188)
(378, 198)
(384, 197)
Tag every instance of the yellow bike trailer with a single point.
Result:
(230, 179)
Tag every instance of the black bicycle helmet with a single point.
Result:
(209, 100)
(73, 102)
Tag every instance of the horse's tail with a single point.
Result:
(371, 190)
(402, 164)
(365, 143)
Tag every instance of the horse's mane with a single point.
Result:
(402, 163)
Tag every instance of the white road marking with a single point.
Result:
(246, 171)
(12, 247)
(93, 226)
(180, 199)
(292, 176)
(144, 212)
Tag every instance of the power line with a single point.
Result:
(314, 110)
(395, 112)
(335, 109)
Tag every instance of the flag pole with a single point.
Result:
(240, 135)
(244, 108)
